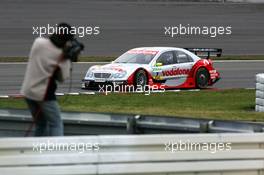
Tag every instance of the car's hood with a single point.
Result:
(118, 67)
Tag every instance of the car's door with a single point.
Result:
(184, 60)
(174, 67)
(163, 66)
(183, 66)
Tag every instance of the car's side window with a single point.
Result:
(166, 58)
(183, 57)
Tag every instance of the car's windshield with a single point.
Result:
(137, 56)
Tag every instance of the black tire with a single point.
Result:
(140, 79)
(202, 78)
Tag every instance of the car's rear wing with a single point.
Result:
(206, 52)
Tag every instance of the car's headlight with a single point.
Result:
(89, 74)
(120, 74)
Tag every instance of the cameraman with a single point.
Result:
(47, 64)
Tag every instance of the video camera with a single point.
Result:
(72, 49)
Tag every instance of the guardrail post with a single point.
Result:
(132, 124)
(210, 125)
(204, 127)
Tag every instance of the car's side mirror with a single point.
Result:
(158, 64)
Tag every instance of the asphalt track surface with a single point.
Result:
(128, 24)
(234, 75)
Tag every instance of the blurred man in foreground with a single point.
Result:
(49, 62)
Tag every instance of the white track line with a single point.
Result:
(97, 92)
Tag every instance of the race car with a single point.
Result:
(166, 67)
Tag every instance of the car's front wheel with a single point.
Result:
(140, 79)
(202, 78)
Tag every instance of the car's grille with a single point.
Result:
(102, 75)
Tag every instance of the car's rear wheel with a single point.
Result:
(140, 79)
(202, 78)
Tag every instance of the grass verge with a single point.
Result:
(236, 104)
(111, 58)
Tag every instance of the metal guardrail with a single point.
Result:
(134, 154)
(16, 122)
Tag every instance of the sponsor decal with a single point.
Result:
(213, 74)
(174, 72)
(145, 52)
(206, 61)
(158, 77)
(156, 69)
